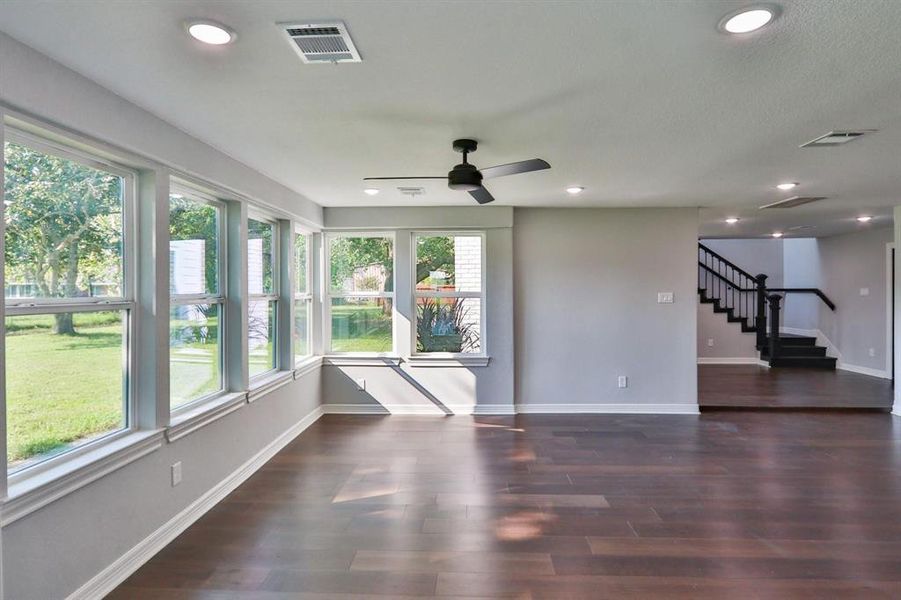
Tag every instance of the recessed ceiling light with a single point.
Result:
(787, 186)
(777, 234)
(210, 32)
(748, 19)
(732, 220)
(865, 219)
(574, 189)
(371, 191)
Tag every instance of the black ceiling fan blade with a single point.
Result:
(482, 196)
(391, 178)
(523, 166)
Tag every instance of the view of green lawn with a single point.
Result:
(50, 401)
(360, 328)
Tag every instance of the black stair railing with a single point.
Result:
(745, 297)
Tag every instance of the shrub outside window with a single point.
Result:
(360, 293)
(197, 301)
(69, 298)
(449, 293)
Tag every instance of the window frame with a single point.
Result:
(126, 303)
(416, 294)
(307, 296)
(220, 298)
(256, 214)
(327, 294)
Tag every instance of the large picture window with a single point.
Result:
(449, 292)
(360, 292)
(197, 301)
(69, 300)
(303, 297)
(262, 287)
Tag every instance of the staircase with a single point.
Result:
(747, 302)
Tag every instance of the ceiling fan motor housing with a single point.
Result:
(464, 177)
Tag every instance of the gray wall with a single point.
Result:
(729, 343)
(847, 264)
(753, 255)
(586, 311)
(802, 269)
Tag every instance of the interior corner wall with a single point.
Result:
(416, 389)
(586, 311)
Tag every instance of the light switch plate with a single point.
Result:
(622, 381)
(710, 342)
(176, 474)
(664, 297)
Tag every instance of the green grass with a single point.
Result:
(61, 389)
(360, 328)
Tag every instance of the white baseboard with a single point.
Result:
(863, 370)
(650, 409)
(104, 582)
(418, 409)
(735, 360)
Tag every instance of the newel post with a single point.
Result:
(760, 321)
(774, 327)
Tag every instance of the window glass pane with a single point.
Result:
(261, 336)
(300, 262)
(448, 325)
(63, 227)
(193, 352)
(361, 325)
(193, 247)
(449, 263)
(361, 264)
(301, 331)
(62, 389)
(260, 258)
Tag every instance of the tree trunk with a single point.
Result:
(63, 324)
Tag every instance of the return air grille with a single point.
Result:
(321, 42)
(793, 202)
(836, 138)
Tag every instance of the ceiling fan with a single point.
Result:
(468, 178)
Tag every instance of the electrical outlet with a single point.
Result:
(622, 381)
(710, 342)
(176, 474)
(361, 384)
(664, 297)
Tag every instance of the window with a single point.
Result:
(262, 287)
(303, 298)
(197, 301)
(69, 300)
(360, 293)
(449, 293)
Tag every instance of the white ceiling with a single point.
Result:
(643, 103)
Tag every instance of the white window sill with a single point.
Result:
(268, 383)
(360, 360)
(425, 360)
(205, 413)
(36, 491)
(307, 365)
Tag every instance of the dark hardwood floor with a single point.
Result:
(722, 505)
(785, 387)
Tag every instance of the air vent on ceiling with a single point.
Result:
(793, 202)
(411, 191)
(802, 227)
(324, 42)
(836, 138)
